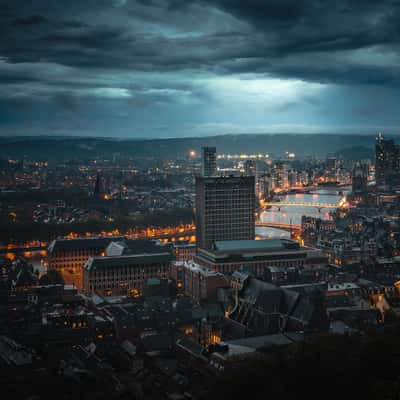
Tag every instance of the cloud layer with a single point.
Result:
(165, 68)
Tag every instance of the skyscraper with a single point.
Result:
(250, 168)
(387, 162)
(225, 209)
(331, 167)
(280, 175)
(209, 159)
(359, 177)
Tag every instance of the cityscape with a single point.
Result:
(118, 273)
(199, 200)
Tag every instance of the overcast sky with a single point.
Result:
(165, 68)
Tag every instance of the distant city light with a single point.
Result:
(242, 156)
(192, 153)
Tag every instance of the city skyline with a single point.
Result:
(199, 199)
(169, 68)
(122, 272)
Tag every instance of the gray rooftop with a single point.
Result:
(82, 243)
(257, 342)
(255, 245)
(127, 260)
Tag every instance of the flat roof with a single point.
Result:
(248, 245)
(132, 259)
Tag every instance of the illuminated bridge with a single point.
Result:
(279, 225)
(300, 204)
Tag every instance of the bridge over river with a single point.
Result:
(279, 225)
(320, 206)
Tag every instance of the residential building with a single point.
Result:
(196, 281)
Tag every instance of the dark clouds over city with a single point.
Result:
(163, 68)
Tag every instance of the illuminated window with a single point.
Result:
(189, 331)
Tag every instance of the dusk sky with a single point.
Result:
(173, 68)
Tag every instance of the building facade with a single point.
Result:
(124, 275)
(225, 209)
(250, 168)
(280, 176)
(68, 256)
(256, 255)
(209, 161)
(184, 251)
(387, 162)
(196, 281)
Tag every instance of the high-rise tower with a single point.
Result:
(225, 209)
(209, 161)
(387, 162)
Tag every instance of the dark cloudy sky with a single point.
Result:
(163, 68)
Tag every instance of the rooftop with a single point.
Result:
(82, 243)
(135, 246)
(256, 245)
(132, 259)
(199, 268)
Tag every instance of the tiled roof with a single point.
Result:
(82, 243)
(133, 259)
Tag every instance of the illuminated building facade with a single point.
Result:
(184, 251)
(265, 185)
(331, 169)
(387, 162)
(250, 168)
(196, 281)
(280, 176)
(124, 275)
(68, 256)
(225, 209)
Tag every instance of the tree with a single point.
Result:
(52, 277)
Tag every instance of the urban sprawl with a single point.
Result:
(146, 278)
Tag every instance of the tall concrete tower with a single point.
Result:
(209, 159)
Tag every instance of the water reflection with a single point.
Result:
(293, 214)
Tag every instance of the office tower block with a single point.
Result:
(209, 161)
(387, 162)
(331, 169)
(280, 175)
(359, 177)
(265, 185)
(250, 168)
(225, 209)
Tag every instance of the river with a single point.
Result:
(293, 214)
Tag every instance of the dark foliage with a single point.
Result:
(325, 367)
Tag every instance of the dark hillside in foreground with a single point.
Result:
(324, 367)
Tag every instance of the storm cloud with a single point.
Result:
(165, 68)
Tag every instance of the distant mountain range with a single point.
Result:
(69, 148)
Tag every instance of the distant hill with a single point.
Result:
(356, 153)
(67, 148)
